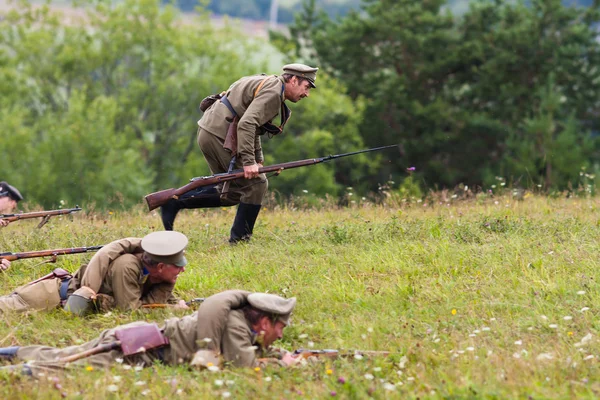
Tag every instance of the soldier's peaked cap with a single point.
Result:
(166, 247)
(10, 191)
(273, 304)
(304, 71)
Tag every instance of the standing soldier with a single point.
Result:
(229, 137)
(9, 197)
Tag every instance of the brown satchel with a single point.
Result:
(57, 273)
(138, 339)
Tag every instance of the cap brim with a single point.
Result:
(312, 84)
(182, 262)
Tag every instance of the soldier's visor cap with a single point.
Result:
(166, 247)
(303, 71)
(10, 191)
(273, 304)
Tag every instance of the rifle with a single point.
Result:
(37, 214)
(331, 353)
(160, 198)
(197, 300)
(47, 253)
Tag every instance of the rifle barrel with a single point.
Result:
(38, 214)
(47, 253)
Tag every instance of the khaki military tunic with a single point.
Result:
(218, 324)
(253, 111)
(114, 272)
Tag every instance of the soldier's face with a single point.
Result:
(270, 331)
(169, 272)
(7, 205)
(296, 90)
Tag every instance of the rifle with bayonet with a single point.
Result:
(48, 253)
(45, 215)
(332, 353)
(160, 198)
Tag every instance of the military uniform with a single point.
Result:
(255, 101)
(217, 330)
(115, 277)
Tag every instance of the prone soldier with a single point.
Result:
(125, 274)
(234, 327)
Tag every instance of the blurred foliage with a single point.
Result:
(104, 110)
(509, 88)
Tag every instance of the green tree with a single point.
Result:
(459, 93)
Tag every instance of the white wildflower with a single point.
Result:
(268, 379)
(226, 395)
(116, 378)
(146, 392)
(119, 360)
(544, 357)
(389, 386)
(370, 330)
(470, 348)
(229, 383)
(138, 368)
(369, 377)
(218, 382)
(476, 331)
(310, 344)
(544, 317)
(519, 342)
(377, 369)
(112, 388)
(213, 368)
(139, 383)
(588, 357)
(485, 328)
(303, 336)
(584, 309)
(436, 340)
(410, 378)
(581, 292)
(403, 361)
(358, 357)
(567, 318)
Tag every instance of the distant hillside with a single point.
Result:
(260, 9)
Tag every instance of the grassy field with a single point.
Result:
(483, 298)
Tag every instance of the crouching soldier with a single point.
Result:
(125, 274)
(230, 328)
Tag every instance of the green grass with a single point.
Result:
(470, 296)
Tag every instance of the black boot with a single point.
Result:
(8, 353)
(205, 197)
(243, 224)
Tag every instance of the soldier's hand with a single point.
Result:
(4, 264)
(251, 171)
(181, 305)
(290, 359)
(4, 222)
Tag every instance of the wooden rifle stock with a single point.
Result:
(47, 253)
(157, 199)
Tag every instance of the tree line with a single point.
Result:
(104, 110)
(508, 90)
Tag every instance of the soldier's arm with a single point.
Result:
(213, 315)
(125, 282)
(264, 107)
(237, 348)
(98, 267)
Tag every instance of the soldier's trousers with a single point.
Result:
(43, 295)
(41, 358)
(249, 191)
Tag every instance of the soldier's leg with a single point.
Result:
(43, 295)
(205, 197)
(253, 193)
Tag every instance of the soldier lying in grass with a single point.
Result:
(125, 274)
(233, 328)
